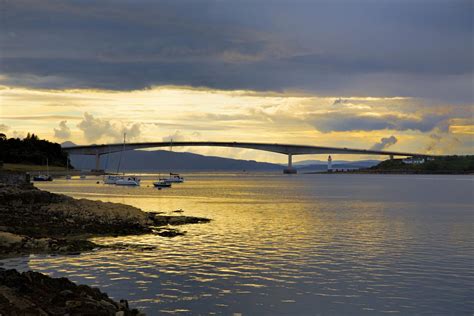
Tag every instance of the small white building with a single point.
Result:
(413, 160)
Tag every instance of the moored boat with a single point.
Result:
(122, 180)
(128, 180)
(42, 177)
(162, 184)
(173, 178)
(112, 179)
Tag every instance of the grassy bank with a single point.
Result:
(437, 165)
(31, 168)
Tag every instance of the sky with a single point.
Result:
(366, 74)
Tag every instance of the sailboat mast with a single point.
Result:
(121, 153)
(107, 161)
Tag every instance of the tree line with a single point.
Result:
(31, 150)
(442, 164)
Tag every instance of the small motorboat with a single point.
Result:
(128, 180)
(68, 177)
(162, 184)
(42, 177)
(173, 178)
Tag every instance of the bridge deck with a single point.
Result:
(276, 148)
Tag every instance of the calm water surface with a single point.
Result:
(288, 245)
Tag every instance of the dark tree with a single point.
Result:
(31, 150)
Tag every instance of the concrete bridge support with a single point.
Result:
(97, 163)
(290, 169)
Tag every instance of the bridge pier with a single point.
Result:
(97, 163)
(290, 169)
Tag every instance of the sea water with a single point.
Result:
(328, 244)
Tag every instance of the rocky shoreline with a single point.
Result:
(33, 293)
(36, 221)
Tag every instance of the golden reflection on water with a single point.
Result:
(279, 244)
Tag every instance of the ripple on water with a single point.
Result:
(288, 245)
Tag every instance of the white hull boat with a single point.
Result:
(122, 180)
(162, 184)
(110, 179)
(44, 177)
(173, 178)
(130, 181)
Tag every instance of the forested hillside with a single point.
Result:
(31, 150)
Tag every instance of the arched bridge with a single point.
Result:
(290, 150)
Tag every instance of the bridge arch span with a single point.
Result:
(286, 149)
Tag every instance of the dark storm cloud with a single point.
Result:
(411, 48)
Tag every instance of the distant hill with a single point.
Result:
(365, 163)
(166, 161)
(67, 144)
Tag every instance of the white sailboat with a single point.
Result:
(128, 180)
(122, 180)
(162, 184)
(173, 178)
(111, 179)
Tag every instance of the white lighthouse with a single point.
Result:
(329, 164)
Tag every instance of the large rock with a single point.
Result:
(29, 211)
(11, 244)
(26, 210)
(33, 293)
